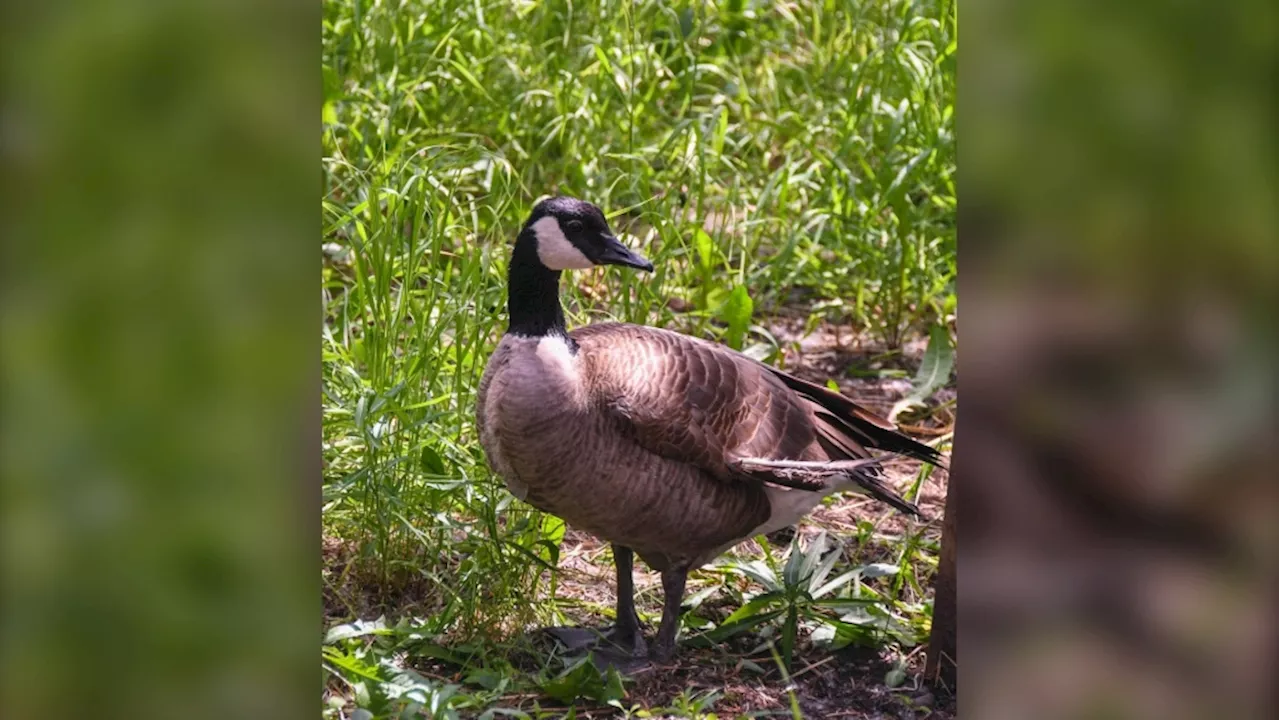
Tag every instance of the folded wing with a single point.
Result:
(737, 419)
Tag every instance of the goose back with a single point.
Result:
(695, 401)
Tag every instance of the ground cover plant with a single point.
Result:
(789, 168)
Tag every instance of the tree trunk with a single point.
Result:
(941, 668)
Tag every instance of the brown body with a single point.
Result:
(665, 445)
(636, 434)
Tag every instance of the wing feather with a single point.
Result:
(702, 403)
(873, 430)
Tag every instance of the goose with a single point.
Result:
(666, 446)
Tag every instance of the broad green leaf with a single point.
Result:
(760, 572)
(552, 528)
(411, 684)
(935, 370)
(753, 607)
(875, 570)
(332, 84)
(736, 312)
(824, 634)
(727, 630)
(538, 557)
(892, 193)
(699, 597)
(722, 128)
(352, 664)
(935, 367)
(548, 545)
(791, 576)
(715, 297)
(573, 683)
(359, 628)
(836, 582)
(487, 678)
(438, 652)
(686, 22)
(364, 698)
(613, 690)
(821, 572)
(705, 247)
(812, 556)
(584, 680)
(763, 352)
(431, 462)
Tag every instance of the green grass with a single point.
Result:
(761, 154)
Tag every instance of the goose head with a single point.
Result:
(572, 234)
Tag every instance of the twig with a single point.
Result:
(933, 432)
(820, 663)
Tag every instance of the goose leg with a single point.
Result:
(623, 646)
(626, 630)
(673, 581)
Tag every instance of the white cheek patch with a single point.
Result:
(554, 249)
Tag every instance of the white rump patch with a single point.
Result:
(554, 249)
(787, 506)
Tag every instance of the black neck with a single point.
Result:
(533, 292)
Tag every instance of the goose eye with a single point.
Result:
(574, 225)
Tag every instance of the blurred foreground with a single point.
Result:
(1117, 455)
(161, 432)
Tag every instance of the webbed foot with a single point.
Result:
(624, 650)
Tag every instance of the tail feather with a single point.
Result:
(814, 476)
(867, 427)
